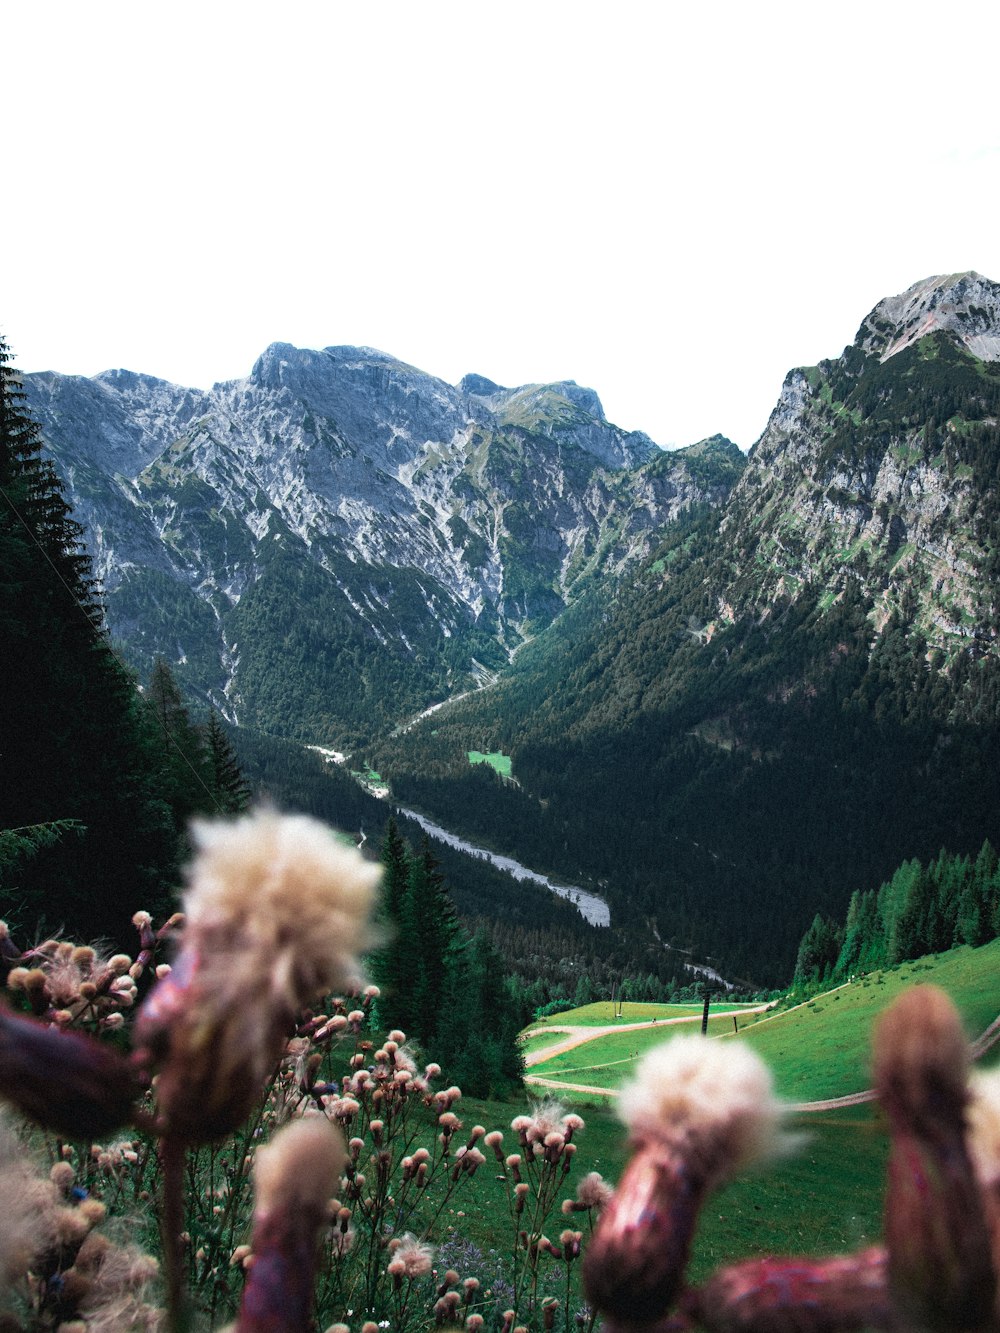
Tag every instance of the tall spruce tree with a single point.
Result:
(229, 788)
(74, 744)
(444, 990)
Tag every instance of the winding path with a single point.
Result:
(579, 1035)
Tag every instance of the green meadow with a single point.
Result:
(496, 760)
(826, 1196)
(816, 1050)
(604, 1013)
(820, 1050)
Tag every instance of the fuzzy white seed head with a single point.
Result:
(983, 1114)
(298, 1169)
(720, 1094)
(415, 1257)
(287, 890)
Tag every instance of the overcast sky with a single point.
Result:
(671, 203)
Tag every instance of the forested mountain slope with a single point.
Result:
(794, 694)
(339, 539)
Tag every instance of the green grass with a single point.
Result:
(825, 1198)
(496, 760)
(539, 1042)
(821, 1050)
(818, 1050)
(606, 1061)
(603, 1013)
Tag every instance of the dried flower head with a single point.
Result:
(64, 1081)
(275, 914)
(593, 1191)
(984, 1125)
(697, 1111)
(718, 1093)
(940, 1261)
(416, 1257)
(28, 1204)
(294, 1179)
(844, 1294)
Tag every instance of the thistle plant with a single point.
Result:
(238, 1044)
(300, 1171)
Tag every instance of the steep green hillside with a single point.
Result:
(789, 699)
(817, 1049)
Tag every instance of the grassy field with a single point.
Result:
(823, 1199)
(496, 760)
(605, 1061)
(603, 1013)
(827, 1197)
(820, 1049)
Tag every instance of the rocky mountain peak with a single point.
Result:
(965, 305)
(479, 386)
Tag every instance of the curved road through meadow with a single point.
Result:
(579, 1035)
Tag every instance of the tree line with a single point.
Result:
(923, 908)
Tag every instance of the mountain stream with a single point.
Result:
(590, 905)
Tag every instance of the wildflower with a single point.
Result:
(847, 1292)
(294, 1177)
(64, 1081)
(984, 1147)
(940, 1263)
(275, 913)
(24, 1216)
(415, 1257)
(593, 1191)
(696, 1112)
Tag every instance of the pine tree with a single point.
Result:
(445, 991)
(74, 743)
(229, 788)
(185, 774)
(393, 965)
(432, 930)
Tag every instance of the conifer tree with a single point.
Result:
(74, 743)
(185, 774)
(393, 966)
(432, 930)
(445, 991)
(229, 787)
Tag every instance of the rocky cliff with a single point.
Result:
(339, 537)
(880, 468)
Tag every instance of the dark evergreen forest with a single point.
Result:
(922, 909)
(729, 789)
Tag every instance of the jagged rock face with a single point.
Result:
(428, 525)
(962, 304)
(880, 468)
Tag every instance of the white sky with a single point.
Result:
(671, 203)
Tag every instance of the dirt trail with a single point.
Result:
(986, 1039)
(580, 1034)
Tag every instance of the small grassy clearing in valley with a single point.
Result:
(496, 760)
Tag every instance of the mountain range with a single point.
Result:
(733, 688)
(340, 539)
